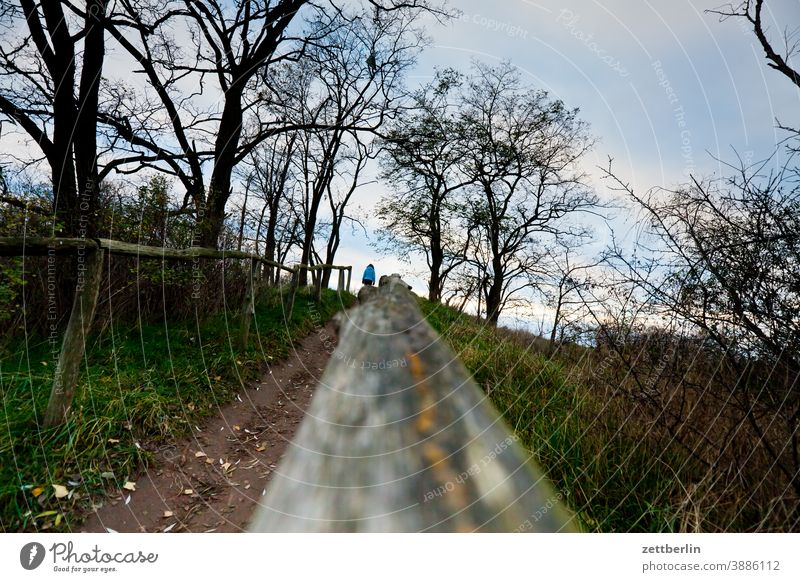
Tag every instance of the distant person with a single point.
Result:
(369, 276)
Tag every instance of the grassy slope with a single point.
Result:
(145, 384)
(612, 475)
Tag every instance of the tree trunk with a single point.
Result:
(435, 281)
(493, 306)
(85, 134)
(330, 255)
(556, 321)
(308, 234)
(321, 183)
(494, 297)
(437, 255)
(219, 189)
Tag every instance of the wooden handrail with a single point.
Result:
(91, 253)
(35, 246)
(399, 437)
(38, 246)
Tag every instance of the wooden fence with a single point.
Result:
(399, 437)
(93, 252)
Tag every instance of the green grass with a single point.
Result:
(140, 385)
(612, 473)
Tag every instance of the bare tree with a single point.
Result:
(50, 70)
(752, 11)
(190, 50)
(343, 89)
(726, 263)
(339, 195)
(521, 150)
(421, 162)
(270, 168)
(565, 275)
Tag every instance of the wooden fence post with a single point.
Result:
(248, 307)
(349, 274)
(293, 285)
(74, 344)
(340, 284)
(399, 438)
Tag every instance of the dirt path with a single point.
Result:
(212, 480)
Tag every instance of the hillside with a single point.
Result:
(612, 470)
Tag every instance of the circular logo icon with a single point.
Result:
(31, 555)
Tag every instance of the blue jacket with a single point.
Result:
(369, 274)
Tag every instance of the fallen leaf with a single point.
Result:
(188, 491)
(44, 514)
(169, 527)
(209, 461)
(236, 427)
(226, 466)
(168, 514)
(261, 448)
(59, 517)
(109, 530)
(107, 474)
(199, 454)
(37, 491)
(130, 486)
(61, 491)
(127, 500)
(112, 441)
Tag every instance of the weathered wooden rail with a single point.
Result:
(93, 251)
(400, 438)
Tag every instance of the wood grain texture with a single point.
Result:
(400, 438)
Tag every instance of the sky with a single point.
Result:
(668, 89)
